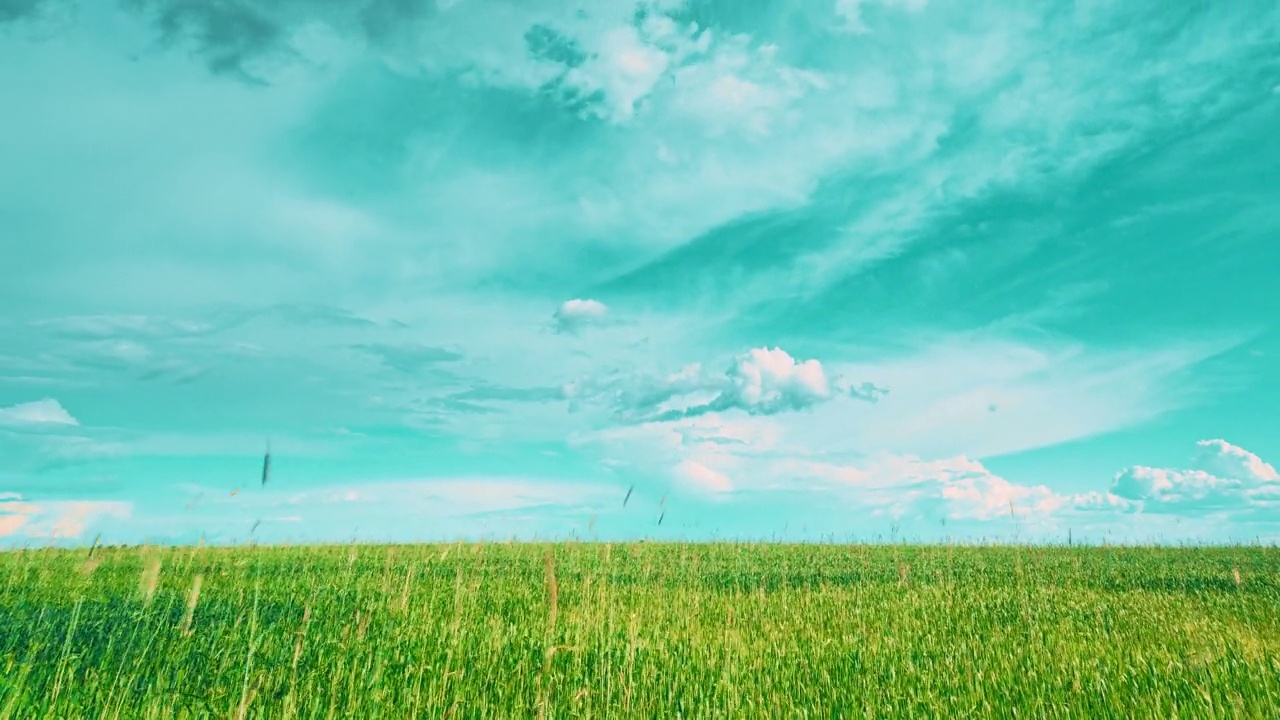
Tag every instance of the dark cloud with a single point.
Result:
(228, 35)
(548, 44)
(38, 19)
(383, 19)
(235, 37)
(11, 10)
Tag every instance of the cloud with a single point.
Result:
(57, 520)
(574, 315)
(410, 359)
(529, 45)
(707, 455)
(850, 11)
(715, 455)
(1223, 477)
(108, 327)
(761, 381)
(229, 36)
(1226, 460)
(907, 486)
(40, 412)
(702, 477)
(621, 74)
(766, 381)
(10, 524)
(741, 88)
(11, 10)
(771, 380)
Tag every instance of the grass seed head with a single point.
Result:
(149, 579)
(193, 599)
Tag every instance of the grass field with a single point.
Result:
(640, 630)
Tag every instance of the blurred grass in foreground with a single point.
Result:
(640, 630)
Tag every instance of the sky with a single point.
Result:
(815, 270)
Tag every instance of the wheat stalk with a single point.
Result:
(553, 589)
(193, 598)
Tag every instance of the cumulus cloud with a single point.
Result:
(574, 315)
(761, 381)
(40, 412)
(1222, 477)
(1229, 461)
(767, 381)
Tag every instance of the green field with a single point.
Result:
(640, 630)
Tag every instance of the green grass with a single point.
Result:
(641, 630)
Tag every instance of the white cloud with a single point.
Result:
(761, 381)
(40, 412)
(768, 381)
(624, 71)
(576, 314)
(706, 455)
(57, 520)
(702, 477)
(740, 88)
(1102, 502)
(106, 327)
(907, 486)
(1223, 477)
(1229, 461)
(714, 454)
(10, 524)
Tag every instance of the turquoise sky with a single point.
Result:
(836, 269)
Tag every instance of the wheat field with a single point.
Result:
(640, 630)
